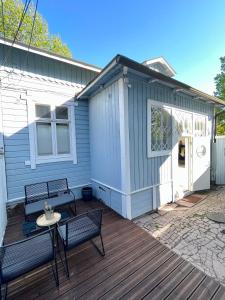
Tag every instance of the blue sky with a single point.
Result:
(190, 34)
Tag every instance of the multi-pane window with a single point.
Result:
(160, 129)
(200, 125)
(52, 130)
(183, 122)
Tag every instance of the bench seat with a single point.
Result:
(37, 206)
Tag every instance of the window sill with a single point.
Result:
(39, 161)
(159, 153)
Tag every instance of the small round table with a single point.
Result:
(43, 222)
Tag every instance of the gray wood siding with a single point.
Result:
(17, 151)
(150, 171)
(44, 66)
(105, 137)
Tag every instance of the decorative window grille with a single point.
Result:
(183, 122)
(160, 130)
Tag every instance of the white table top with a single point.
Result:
(43, 222)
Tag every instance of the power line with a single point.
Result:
(25, 8)
(3, 19)
(30, 40)
(3, 26)
(32, 29)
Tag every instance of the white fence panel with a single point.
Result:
(218, 159)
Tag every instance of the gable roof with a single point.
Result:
(114, 66)
(51, 55)
(160, 64)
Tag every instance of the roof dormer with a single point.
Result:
(160, 65)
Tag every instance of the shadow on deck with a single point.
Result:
(136, 266)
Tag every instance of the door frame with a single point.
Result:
(2, 156)
(3, 186)
(174, 163)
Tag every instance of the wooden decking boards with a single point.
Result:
(136, 266)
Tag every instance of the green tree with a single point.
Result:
(220, 93)
(12, 12)
(220, 80)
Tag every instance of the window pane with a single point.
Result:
(63, 138)
(61, 112)
(200, 126)
(44, 139)
(43, 111)
(161, 129)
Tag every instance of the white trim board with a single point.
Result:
(124, 147)
(108, 186)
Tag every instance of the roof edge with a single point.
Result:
(127, 62)
(49, 54)
(162, 60)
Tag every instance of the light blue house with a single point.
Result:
(130, 131)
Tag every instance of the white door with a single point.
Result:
(181, 167)
(3, 193)
(200, 163)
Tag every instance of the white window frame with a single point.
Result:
(172, 108)
(32, 121)
(151, 153)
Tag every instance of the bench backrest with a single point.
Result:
(44, 190)
(35, 192)
(57, 186)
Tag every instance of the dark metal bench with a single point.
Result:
(55, 192)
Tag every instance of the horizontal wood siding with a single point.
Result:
(17, 150)
(146, 171)
(25, 75)
(105, 137)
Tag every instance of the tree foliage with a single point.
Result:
(12, 12)
(220, 92)
(220, 80)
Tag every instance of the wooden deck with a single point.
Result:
(136, 266)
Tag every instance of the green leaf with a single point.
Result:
(12, 11)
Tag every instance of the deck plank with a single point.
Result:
(136, 266)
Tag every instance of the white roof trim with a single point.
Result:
(50, 55)
(161, 60)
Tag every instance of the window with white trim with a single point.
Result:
(159, 129)
(51, 133)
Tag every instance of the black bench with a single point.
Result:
(55, 192)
